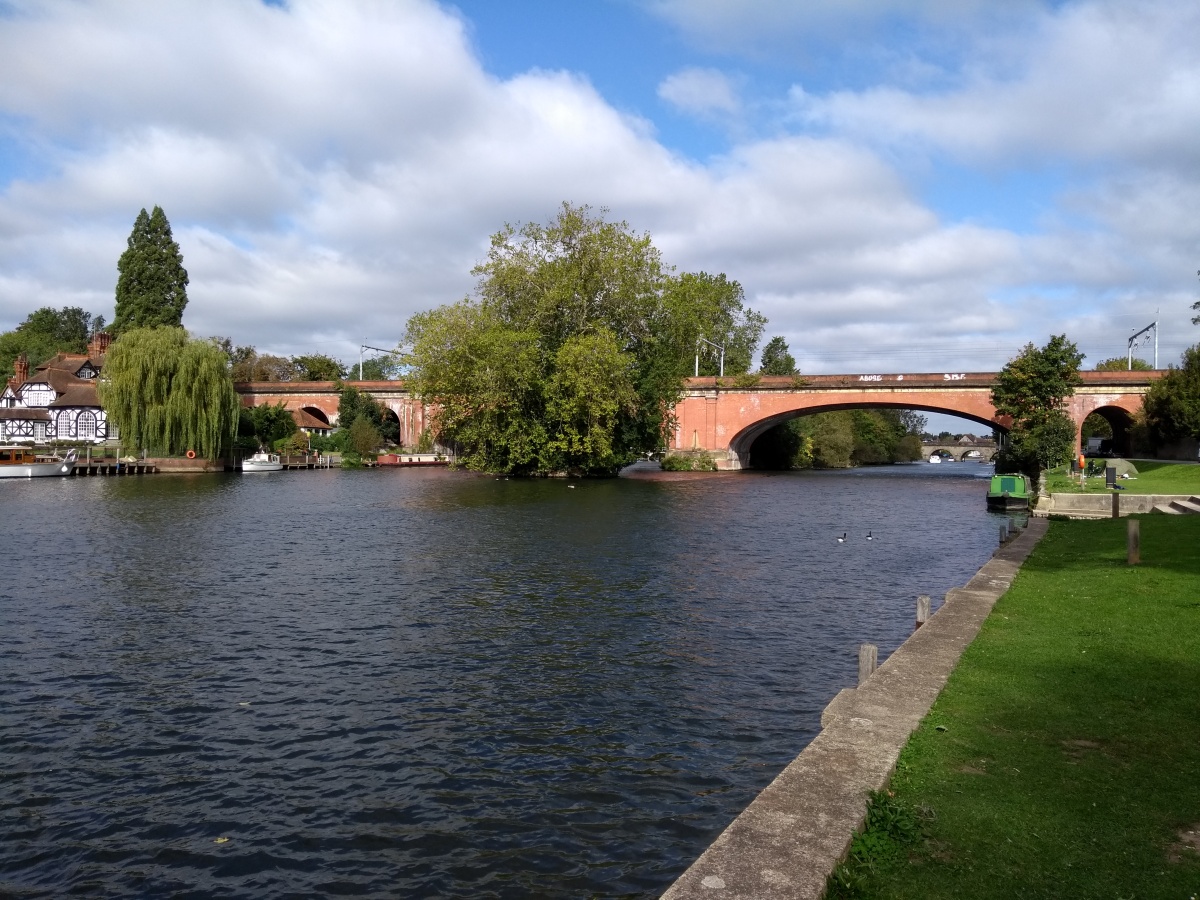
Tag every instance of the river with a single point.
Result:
(424, 683)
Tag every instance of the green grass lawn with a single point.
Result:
(1063, 757)
(1154, 477)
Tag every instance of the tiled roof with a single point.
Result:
(83, 393)
(71, 362)
(25, 415)
(58, 379)
(308, 420)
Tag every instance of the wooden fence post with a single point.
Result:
(1133, 534)
(923, 604)
(868, 658)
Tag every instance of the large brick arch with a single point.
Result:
(741, 442)
(725, 416)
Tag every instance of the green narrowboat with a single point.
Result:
(1008, 492)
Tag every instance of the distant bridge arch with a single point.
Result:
(321, 398)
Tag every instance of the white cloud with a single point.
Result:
(331, 168)
(1092, 82)
(700, 92)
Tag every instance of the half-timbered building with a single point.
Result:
(57, 401)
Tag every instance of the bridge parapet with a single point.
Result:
(1092, 381)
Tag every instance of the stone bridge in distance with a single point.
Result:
(724, 416)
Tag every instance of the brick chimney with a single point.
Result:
(21, 369)
(98, 345)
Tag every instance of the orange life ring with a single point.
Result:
(191, 454)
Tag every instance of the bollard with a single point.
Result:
(1004, 532)
(868, 657)
(923, 605)
(1133, 534)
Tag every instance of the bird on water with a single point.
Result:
(869, 538)
(842, 539)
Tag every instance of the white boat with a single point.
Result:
(934, 458)
(23, 462)
(262, 462)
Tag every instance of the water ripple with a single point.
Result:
(433, 684)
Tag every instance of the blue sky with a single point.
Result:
(899, 186)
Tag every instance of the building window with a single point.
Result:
(39, 431)
(85, 426)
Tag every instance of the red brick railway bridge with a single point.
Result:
(725, 420)
(717, 416)
(320, 400)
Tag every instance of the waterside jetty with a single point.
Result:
(790, 838)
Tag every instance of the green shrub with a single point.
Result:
(692, 461)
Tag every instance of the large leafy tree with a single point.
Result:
(712, 307)
(777, 358)
(169, 393)
(45, 332)
(1171, 406)
(267, 423)
(152, 283)
(574, 348)
(1031, 389)
(318, 367)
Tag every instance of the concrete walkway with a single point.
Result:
(789, 839)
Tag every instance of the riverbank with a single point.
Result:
(786, 843)
(1062, 758)
(1154, 476)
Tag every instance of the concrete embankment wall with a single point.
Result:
(788, 840)
(1103, 506)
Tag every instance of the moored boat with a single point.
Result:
(1008, 492)
(412, 459)
(262, 462)
(23, 462)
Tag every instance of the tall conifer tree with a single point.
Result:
(152, 284)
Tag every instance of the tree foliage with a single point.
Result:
(168, 393)
(777, 359)
(267, 423)
(1122, 364)
(152, 283)
(574, 348)
(354, 404)
(383, 367)
(318, 367)
(1031, 389)
(712, 307)
(45, 332)
(1171, 406)
(363, 437)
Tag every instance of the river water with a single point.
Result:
(433, 684)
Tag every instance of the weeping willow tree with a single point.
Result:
(169, 393)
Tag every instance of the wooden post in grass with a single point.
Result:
(923, 604)
(868, 658)
(1133, 534)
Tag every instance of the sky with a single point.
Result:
(920, 186)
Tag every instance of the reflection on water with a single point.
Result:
(426, 683)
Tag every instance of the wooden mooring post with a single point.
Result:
(1133, 541)
(868, 660)
(923, 606)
